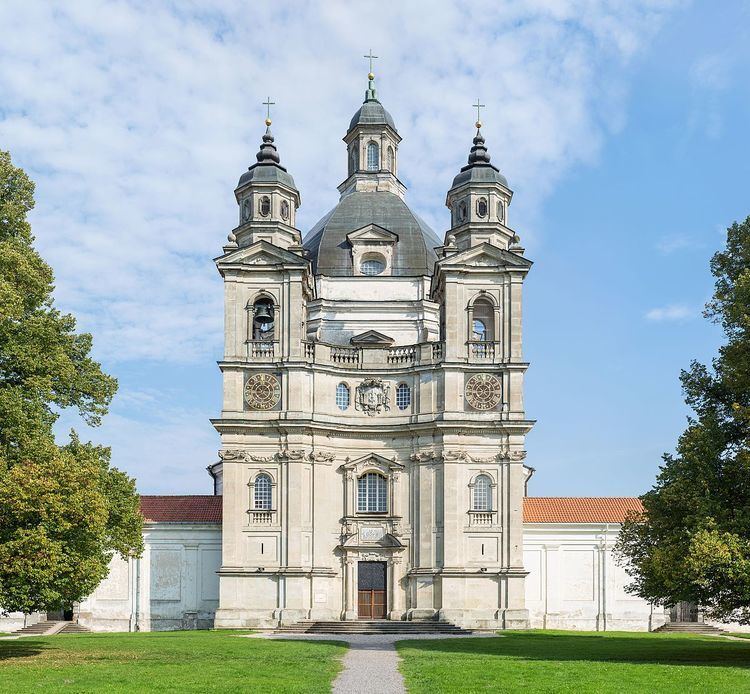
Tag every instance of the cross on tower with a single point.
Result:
(268, 103)
(477, 106)
(371, 57)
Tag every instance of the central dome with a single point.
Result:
(330, 252)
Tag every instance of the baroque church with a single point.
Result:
(372, 461)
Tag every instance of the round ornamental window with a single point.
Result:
(262, 392)
(265, 206)
(284, 210)
(483, 391)
(372, 267)
(482, 207)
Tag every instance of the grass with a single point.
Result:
(187, 661)
(577, 662)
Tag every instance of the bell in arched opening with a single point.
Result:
(263, 320)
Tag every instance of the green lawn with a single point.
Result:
(577, 662)
(185, 661)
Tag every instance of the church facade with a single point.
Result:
(372, 460)
(373, 423)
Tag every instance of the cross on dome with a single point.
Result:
(370, 57)
(477, 106)
(268, 103)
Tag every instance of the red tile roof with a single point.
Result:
(579, 509)
(536, 509)
(181, 509)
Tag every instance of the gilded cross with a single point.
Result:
(477, 106)
(268, 103)
(371, 57)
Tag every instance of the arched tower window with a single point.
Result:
(373, 157)
(263, 321)
(371, 493)
(265, 206)
(353, 159)
(483, 327)
(262, 495)
(391, 160)
(482, 497)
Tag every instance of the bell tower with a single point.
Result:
(267, 199)
(479, 199)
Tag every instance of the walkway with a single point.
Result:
(371, 663)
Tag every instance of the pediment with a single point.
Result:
(372, 337)
(371, 233)
(372, 461)
(486, 255)
(261, 253)
(388, 541)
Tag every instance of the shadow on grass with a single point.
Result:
(21, 648)
(658, 649)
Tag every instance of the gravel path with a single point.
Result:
(371, 663)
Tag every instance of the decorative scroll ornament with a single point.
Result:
(422, 456)
(373, 396)
(246, 456)
(455, 456)
(322, 456)
(483, 391)
(262, 391)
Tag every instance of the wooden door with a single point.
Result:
(371, 584)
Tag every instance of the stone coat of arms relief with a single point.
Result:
(373, 396)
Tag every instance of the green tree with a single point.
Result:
(692, 542)
(64, 511)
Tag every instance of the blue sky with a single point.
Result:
(621, 126)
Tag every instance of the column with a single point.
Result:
(349, 604)
(395, 598)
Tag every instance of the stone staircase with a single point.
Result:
(372, 627)
(50, 627)
(690, 628)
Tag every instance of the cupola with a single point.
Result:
(268, 200)
(372, 147)
(479, 200)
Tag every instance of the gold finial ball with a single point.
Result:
(371, 76)
(268, 122)
(478, 124)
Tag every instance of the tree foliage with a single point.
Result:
(64, 510)
(692, 543)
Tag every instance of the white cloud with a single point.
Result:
(678, 242)
(672, 312)
(136, 120)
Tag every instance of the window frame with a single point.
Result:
(403, 387)
(372, 259)
(373, 156)
(375, 496)
(482, 483)
(266, 492)
(265, 200)
(341, 388)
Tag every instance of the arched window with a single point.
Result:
(342, 396)
(500, 211)
(372, 266)
(391, 160)
(262, 496)
(263, 321)
(403, 396)
(353, 159)
(371, 493)
(482, 498)
(462, 211)
(482, 207)
(265, 206)
(373, 158)
(484, 321)
(284, 210)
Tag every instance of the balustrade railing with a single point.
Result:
(481, 517)
(402, 355)
(261, 517)
(345, 355)
(482, 350)
(262, 349)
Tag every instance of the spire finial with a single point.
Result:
(478, 106)
(268, 103)
(370, 94)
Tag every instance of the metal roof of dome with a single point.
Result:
(372, 112)
(267, 169)
(330, 252)
(479, 169)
